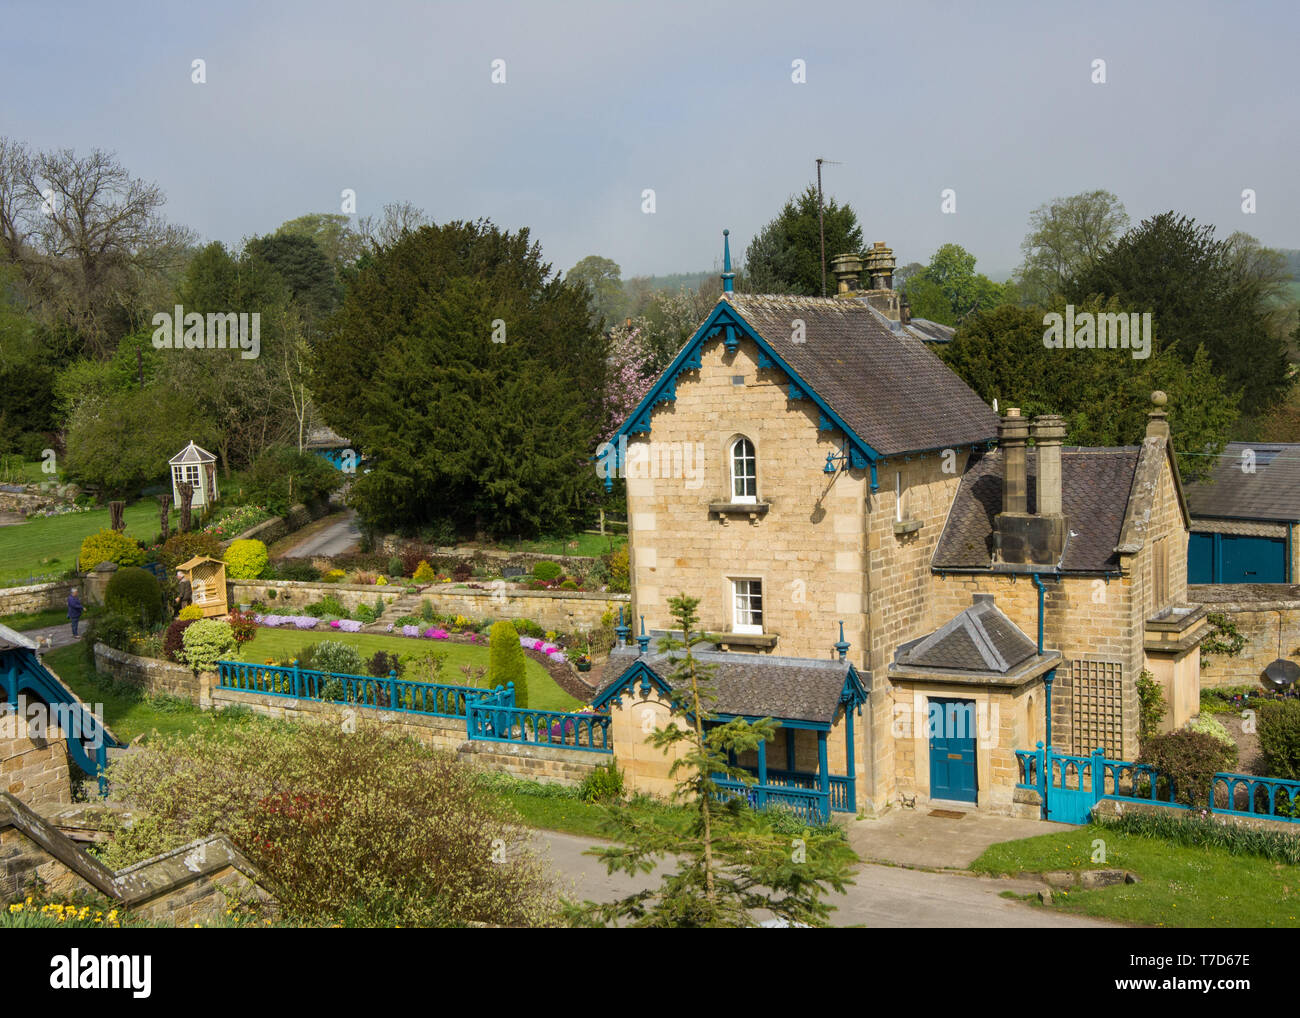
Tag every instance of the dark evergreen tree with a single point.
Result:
(1201, 292)
(1104, 395)
(785, 255)
(471, 377)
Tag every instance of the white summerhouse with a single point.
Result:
(198, 467)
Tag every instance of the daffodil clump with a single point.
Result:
(32, 913)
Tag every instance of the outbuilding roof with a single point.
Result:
(1250, 481)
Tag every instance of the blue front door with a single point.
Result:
(952, 750)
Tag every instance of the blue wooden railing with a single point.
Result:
(389, 693)
(1069, 786)
(842, 792)
(507, 723)
(1275, 798)
(808, 804)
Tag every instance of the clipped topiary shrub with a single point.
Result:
(245, 560)
(134, 593)
(183, 547)
(1189, 759)
(172, 644)
(506, 661)
(1279, 737)
(205, 642)
(547, 571)
(337, 658)
(109, 546)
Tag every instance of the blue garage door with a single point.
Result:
(1233, 558)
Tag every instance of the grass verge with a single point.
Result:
(1183, 881)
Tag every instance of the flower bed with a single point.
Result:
(552, 652)
(283, 621)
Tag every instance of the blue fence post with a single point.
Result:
(1098, 774)
(392, 688)
(510, 694)
(297, 679)
(1042, 778)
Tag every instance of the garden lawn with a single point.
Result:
(47, 547)
(127, 711)
(1178, 885)
(280, 644)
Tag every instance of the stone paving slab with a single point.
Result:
(913, 838)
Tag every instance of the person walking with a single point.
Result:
(75, 609)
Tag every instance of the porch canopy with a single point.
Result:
(807, 696)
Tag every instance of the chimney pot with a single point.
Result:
(847, 268)
(1048, 431)
(1013, 431)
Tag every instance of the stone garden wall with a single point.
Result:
(1255, 609)
(152, 675)
(565, 611)
(35, 598)
(277, 527)
(447, 734)
(524, 560)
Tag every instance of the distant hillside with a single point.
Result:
(1293, 265)
(671, 282)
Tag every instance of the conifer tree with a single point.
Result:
(732, 863)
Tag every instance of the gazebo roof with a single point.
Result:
(199, 560)
(192, 454)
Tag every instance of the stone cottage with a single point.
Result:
(883, 565)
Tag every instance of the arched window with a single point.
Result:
(744, 471)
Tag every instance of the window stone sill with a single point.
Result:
(763, 640)
(753, 510)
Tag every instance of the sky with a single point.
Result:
(694, 101)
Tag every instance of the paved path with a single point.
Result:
(881, 896)
(339, 538)
(913, 837)
(59, 636)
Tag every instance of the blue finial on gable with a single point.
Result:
(621, 630)
(728, 277)
(842, 645)
(643, 640)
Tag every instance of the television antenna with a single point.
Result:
(821, 220)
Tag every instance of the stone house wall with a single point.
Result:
(33, 770)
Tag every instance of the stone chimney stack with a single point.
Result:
(847, 269)
(1048, 431)
(1013, 430)
(880, 265)
(1022, 538)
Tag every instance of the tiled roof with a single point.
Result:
(756, 685)
(1271, 492)
(894, 393)
(1095, 486)
(979, 639)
